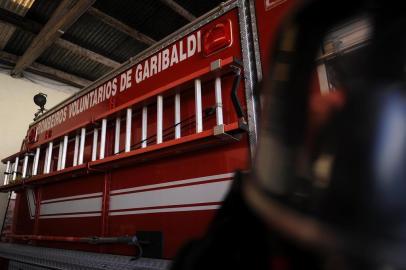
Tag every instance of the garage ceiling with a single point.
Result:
(78, 41)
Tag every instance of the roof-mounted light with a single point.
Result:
(217, 38)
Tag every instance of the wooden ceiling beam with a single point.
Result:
(59, 75)
(31, 26)
(113, 22)
(76, 49)
(179, 9)
(47, 71)
(19, 21)
(61, 20)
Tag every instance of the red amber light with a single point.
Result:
(217, 38)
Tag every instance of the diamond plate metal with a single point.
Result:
(250, 72)
(13, 265)
(49, 258)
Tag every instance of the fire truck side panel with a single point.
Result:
(173, 195)
(176, 227)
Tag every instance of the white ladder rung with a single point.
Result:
(103, 139)
(15, 168)
(47, 168)
(8, 167)
(117, 135)
(25, 166)
(94, 146)
(82, 145)
(76, 150)
(219, 101)
(144, 126)
(177, 116)
(64, 150)
(159, 120)
(36, 160)
(58, 167)
(198, 106)
(128, 130)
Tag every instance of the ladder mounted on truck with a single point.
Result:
(23, 168)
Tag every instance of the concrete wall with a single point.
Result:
(17, 108)
(17, 112)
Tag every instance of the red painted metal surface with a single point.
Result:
(22, 221)
(105, 204)
(270, 14)
(105, 208)
(37, 211)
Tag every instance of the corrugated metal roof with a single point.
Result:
(198, 8)
(149, 17)
(152, 18)
(41, 10)
(91, 33)
(19, 42)
(5, 33)
(74, 64)
(19, 7)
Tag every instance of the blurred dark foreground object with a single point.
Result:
(238, 239)
(276, 216)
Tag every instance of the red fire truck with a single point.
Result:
(142, 158)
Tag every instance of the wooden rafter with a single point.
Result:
(87, 53)
(61, 20)
(14, 19)
(113, 22)
(47, 71)
(179, 9)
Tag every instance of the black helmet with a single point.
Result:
(336, 201)
(360, 212)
